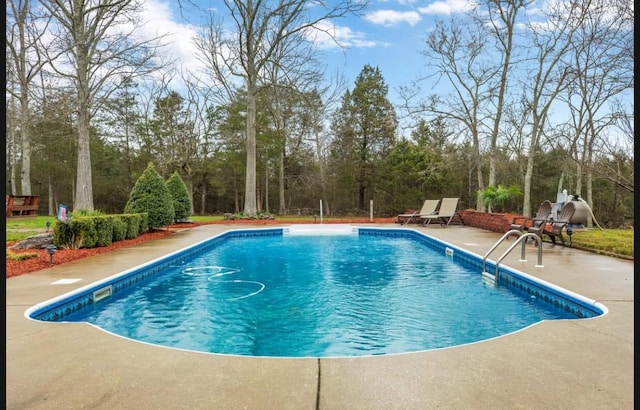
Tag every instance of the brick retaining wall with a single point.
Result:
(496, 222)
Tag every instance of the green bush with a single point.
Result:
(75, 233)
(85, 212)
(496, 198)
(62, 235)
(132, 222)
(144, 223)
(119, 228)
(150, 194)
(85, 232)
(180, 196)
(104, 229)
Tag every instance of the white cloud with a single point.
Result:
(326, 35)
(159, 20)
(392, 18)
(448, 7)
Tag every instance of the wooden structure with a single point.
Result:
(22, 205)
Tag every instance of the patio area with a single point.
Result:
(577, 364)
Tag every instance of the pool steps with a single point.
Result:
(320, 229)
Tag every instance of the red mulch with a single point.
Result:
(17, 268)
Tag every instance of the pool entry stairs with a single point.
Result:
(320, 229)
(522, 239)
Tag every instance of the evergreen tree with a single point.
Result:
(150, 194)
(365, 128)
(180, 195)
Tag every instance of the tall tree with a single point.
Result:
(260, 28)
(286, 100)
(319, 104)
(174, 142)
(24, 31)
(54, 148)
(122, 119)
(501, 18)
(415, 166)
(460, 51)
(549, 75)
(101, 50)
(365, 129)
(205, 117)
(601, 72)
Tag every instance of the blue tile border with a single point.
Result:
(56, 309)
(516, 281)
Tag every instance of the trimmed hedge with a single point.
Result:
(104, 230)
(97, 231)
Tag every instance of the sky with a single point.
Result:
(389, 34)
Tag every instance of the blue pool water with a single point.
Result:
(316, 296)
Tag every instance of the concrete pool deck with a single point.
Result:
(576, 364)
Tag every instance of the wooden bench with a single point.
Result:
(22, 205)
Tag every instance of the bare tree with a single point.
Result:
(24, 31)
(458, 51)
(501, 18)
(551, 41)
(204, 120)
(259, 28)
(11, 157)
(99, 49)
(287, 99)
(601, 72)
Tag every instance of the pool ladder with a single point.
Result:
(521, 239)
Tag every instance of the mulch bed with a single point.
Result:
(42, 261)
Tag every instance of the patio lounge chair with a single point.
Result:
(553, 228)
(446, 213)
(523, 223)
(428, 208)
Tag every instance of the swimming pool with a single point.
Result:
(389, 285)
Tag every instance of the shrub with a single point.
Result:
(119, 229)
(62, 235)
(180, 196)
(85, 232)
(150, 194)
(132, 223)
(86, 212)
(75, 233)
(104, 228)
(144, 223)
(493, 197)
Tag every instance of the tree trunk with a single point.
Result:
(281, 198)
(25, 173)
(250, 206)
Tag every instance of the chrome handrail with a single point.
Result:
(521, 239)
(493, 248)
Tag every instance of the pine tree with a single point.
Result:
(150, 194)
(365, 128)
(180, 196)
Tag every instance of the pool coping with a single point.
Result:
(54, 310)
(577, 364)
